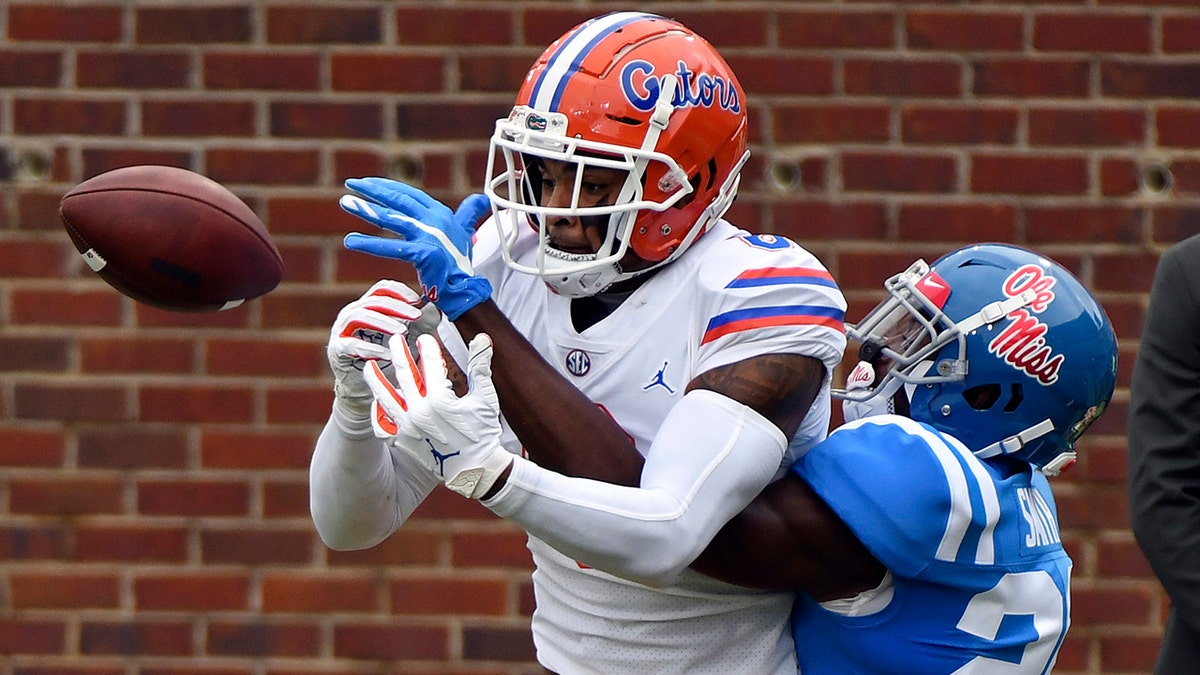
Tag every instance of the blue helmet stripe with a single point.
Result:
(565, 61)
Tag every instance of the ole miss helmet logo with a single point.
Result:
(1022, 344)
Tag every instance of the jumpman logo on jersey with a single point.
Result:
(441, 459)
(658, 380)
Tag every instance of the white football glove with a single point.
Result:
(361, 333)
(883, 402)
(457, 439)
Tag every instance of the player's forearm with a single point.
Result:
(559, 427)
(787, 538)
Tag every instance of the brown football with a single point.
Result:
(171, 238)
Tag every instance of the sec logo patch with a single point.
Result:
(578, 362)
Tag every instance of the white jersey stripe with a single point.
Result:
(960, 503)
(565, 62)
(959, 519)
(949, 452)
(985, 554)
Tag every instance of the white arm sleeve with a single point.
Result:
(360, 491)
(710, 458)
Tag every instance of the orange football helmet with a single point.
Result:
(630, 91)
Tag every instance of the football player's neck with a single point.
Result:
(626, 286)
(590, 310)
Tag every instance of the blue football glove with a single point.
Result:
(434, 240)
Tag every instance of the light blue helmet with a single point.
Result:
(998, 346)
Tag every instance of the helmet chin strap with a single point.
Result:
(1014, 443)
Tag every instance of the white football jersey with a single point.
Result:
(732, 296)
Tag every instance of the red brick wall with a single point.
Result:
(153, 506)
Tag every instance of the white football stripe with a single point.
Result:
(951, 454)
(960, 497)
(948, 451)
(562, 64)
(985, 554)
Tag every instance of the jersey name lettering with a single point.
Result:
(1043, 529)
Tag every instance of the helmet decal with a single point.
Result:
(1090, 416)
(1031, 277)
(536, 122)
(935, 288)
(641, 87)
(1022, 344)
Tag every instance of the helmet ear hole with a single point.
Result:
(1018, 395)
(695, 181)
(689, 197)
(985, 396)
(982, 396)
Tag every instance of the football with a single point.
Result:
(171, 238)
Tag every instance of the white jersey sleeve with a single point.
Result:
(767, 294)
(360, 491)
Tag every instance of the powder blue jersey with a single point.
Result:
(980, 575)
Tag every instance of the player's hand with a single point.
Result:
(361, 333)
(461, 226)
(434, 239)
(457, 439)
(880, 402)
